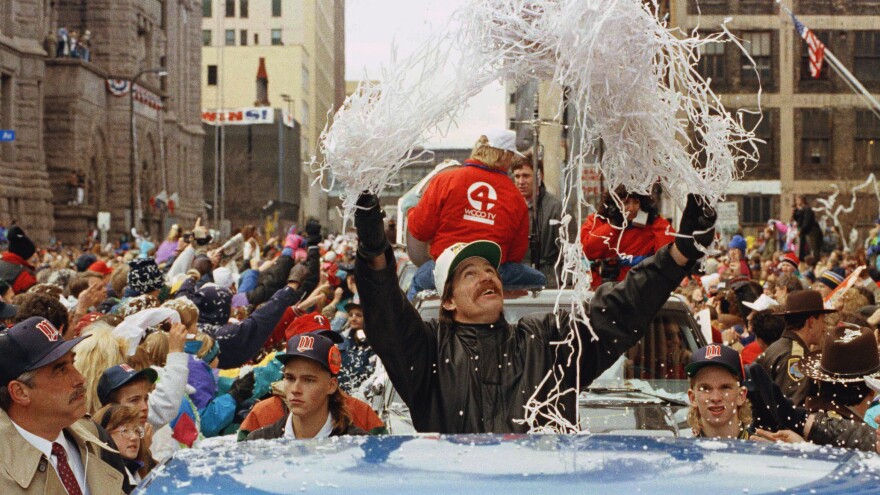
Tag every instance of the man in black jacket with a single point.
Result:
(471, 371)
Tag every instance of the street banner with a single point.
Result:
(239, 116)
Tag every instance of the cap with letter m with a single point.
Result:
(31, 344)
(716, 355)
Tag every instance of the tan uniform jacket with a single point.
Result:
(782, 362)
(26, 470)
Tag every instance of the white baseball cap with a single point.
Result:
(761, 303)
(502, 139)
(452, 256)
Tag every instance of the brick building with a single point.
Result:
(818, 131)
(72, 114)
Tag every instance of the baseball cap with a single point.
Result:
(31, 344)
(317, 346)
(716, 355)
(452, 256)
(502, 139)
(307, 323)
(7, 311)
(119, 375)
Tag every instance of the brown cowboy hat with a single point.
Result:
(807, 301)
(849, 355)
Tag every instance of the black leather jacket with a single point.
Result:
(459, 378)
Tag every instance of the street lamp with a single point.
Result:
(135, 173)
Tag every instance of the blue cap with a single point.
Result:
(119, 375)
(317, 346)
(31, 344)
(716, 355)
(737, 243)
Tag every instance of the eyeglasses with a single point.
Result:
(137, 431)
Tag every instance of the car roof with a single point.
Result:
(513, 464)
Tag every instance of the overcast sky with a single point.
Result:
(370, 28)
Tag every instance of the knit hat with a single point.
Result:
(214, 303)
(19, 243)
(791, 259)
(144, 276)
(84, 261)
(830, 279)
(738, 242)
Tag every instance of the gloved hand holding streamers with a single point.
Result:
(697, 226)
(370, 227)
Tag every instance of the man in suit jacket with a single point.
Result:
(48, 446)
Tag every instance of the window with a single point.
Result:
(759, 46)
(708, 7)
(276, 37)
(256, 39)
(230, 37)
(206, 37)
(212, 75)
(867, 56)
(757, 209)
(711, 64)
(766, 167)
(230, 8)
(305, 78)
(512, 98)
(824, 37)
(276, 8)
(243, 9)
(867, 145)
(816, 139)
(304, 118)
(207, 8)
(242, 36)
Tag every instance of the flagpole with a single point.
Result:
(854, 84)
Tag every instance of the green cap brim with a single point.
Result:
(487, 250)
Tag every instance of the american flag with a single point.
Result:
(815, 46)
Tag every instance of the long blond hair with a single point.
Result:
(743, 415)
(94, 355)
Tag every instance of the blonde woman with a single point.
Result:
(96, 354)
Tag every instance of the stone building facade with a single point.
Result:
(73, 115)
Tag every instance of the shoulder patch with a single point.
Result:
(794, 369)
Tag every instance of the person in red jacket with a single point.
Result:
(476, 201)
(614, 249)
(15, 269)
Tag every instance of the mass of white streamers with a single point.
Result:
(829, 208)
(631, 80)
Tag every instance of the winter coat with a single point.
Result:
(600, 242)
(215, 411)
(468, 204)
(782, 362)
(27, 470)
(550, 209)
(459, 378)
(170, 389)
(276, 430)
(275, 277)
(268, 411)
(841, 432)
(358, 363)
(240, 342)
(17, 272)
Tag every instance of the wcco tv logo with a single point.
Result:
(482, 198)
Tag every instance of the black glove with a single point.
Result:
(313, 233)
(698, 224)
(372, 241)
(242, 388)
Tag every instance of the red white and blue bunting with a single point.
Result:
(120, 87)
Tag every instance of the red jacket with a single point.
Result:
(25, 279)
(468, 204)
(600, 241)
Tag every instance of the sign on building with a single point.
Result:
(728, 217)
(239, 116)
(7, 135)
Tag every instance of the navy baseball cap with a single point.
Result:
(31, 344)
(716, 355)
(317, 346)
(119, 375)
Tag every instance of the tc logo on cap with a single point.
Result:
(126, 368)
(713, 351)
(48, 330)
(320, 320)
(306, 343)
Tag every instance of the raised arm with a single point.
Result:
(394, 329)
